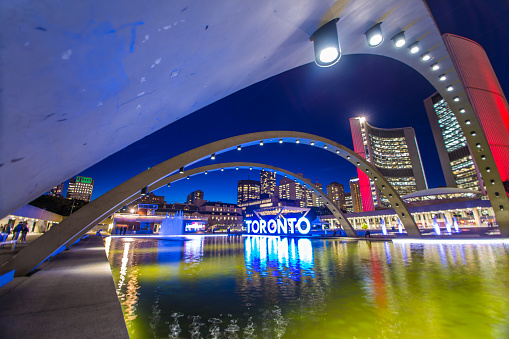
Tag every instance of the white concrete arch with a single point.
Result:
(111, 201)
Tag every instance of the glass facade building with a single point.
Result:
(80, 188)
(458, 165)
(248, 190)
(395, 153)
(268, 183)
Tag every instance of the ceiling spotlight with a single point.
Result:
(297, 141)
(435, 67)
(337, 151)
(348, 157)
(312, 143)
(280, 140)
(399, 39)
(239, 148)
(414, 48)
(213, 156)
(181, 170)
(143, 191)
(250, 168)
(449, 88)
(237, 168)
(374, 35)
(442, 77)
(325, 146)
(206, 172)
(467, 122)
(169, 184)
(222, 169)
(188, 177)
(261, 142)
(456, 99)
(462, 110)
(426, 56)
(326, 44)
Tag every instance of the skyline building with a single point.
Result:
(355, 192)
(193, 196)
(348, 202)
(458, 165)
(316, 201)
(248, 190)
(267, 183)
(290, 190)
(57, 191)
(395, 153)
(80, 188)
(336, 193)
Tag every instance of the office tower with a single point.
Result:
(248, 190)
(267, 183)
(355, 192)
(80, 188)
(195, 195)
(57, 191)
(290, 190)
(316, 200)
(458, 165)
(348, 207)
(151, 198)
(336, 193)
(394, 152)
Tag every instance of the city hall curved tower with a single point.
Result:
(395, 153)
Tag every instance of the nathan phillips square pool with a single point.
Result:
(277, 287)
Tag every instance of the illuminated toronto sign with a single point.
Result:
(279, 226)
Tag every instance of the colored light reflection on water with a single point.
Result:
(272, 287)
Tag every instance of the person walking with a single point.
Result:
(7, 229)
(16, 230)
(24, 231)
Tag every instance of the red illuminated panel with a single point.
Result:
(365, 187)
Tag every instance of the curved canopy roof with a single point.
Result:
(439, 191)
(81, 80)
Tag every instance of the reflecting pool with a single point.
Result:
(271, 287)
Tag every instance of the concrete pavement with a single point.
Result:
(72, 295)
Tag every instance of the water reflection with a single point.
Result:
(285, 257)
(273, 287)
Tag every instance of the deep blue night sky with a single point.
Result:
(314, 100)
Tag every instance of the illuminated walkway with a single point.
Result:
(72, 294)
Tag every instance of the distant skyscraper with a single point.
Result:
(267, 183)
(355, 191)
(195, 195)
(316, 200)
(336, 193)
(394, 152)
(289, 189)
(458, 165)
(57, 191)
(80, 188)
(248, 190)
(348, 202)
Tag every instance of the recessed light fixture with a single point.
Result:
(435, 67)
